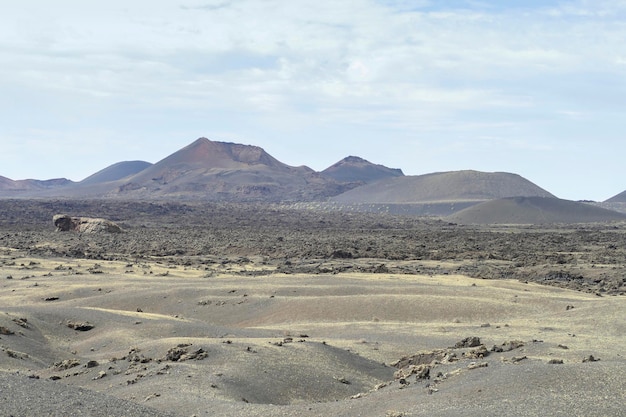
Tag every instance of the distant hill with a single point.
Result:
(619, 198)
(209, 156)
(116, 172)
(8, 185)
(226, 171)
(223, 171)
(355, 169)
(534, 210)
(52, 183)
(443, 187)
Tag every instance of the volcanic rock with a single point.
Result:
(65, 223)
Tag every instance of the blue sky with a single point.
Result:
(531, 87)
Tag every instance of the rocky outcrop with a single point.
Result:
(65, 223)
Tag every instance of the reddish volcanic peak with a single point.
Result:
(206, 153)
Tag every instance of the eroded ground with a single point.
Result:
(227, 310)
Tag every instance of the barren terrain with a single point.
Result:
(266, 310)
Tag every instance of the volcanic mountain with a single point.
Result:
(221, 171)
(116, 172)
(226, 171)
(534, 210)
(8, 185)
(355, 169)
(444, 187)
(619, 198)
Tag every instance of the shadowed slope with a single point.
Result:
(534, 210)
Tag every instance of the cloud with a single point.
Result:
(356, 46)
(262, 69)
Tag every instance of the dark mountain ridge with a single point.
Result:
(356, 169)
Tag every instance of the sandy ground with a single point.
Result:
(86, 337)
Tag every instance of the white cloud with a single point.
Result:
(397, 69)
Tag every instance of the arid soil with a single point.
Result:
(266, 310)
(270, 238)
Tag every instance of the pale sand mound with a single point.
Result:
(302, 345)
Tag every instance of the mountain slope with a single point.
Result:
(204, 156)
(226, 171)
(619, 198)
(534, 210)
(355, 169)
(8, 185)
(116, 172)
(453, 186)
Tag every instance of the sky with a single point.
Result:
(537, 88)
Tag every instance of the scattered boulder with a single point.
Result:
(508, 346)
(100, 375)
(80, 326)
(429, 358)
(479, 353)
(468, 342)
(343, 380)
(181, 353)
(22, 322)
(420, 372)
(475, 365)
(6, 331)
(66, 364)
(174, 354)
(65, 223)
(135, 356)
(341, 254)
